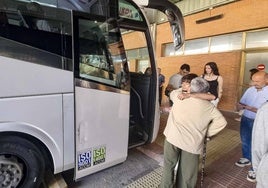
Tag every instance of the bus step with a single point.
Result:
(53, 181)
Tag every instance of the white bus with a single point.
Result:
(68, 98)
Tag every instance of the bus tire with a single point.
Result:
(22, 164)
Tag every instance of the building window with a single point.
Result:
(169, 50)
(132, 54)
(144, 54)
(257, 39)
(140, 53)
(224, 43)
(197, 46)
(220, 43)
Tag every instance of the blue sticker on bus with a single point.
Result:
(84, 160)
(99, 155)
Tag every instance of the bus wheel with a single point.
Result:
(21, 163)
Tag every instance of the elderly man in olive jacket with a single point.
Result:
(189, 121)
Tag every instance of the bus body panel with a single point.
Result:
(21, 78)
(38, 116)
(68, 131)
(101, 141)
(39, 111)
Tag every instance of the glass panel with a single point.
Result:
(126, 10)
(133, 54)
(27, 53)
(46, 2)
(226, 42)
(252, 61)
(169, 50)
(139, 57)
(37, 34)
(143, 65)
(257, 39)
(36, 16)
(144, 53)
(102, 54)
(99, 7)
(198, 46)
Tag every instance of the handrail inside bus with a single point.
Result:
(140, 101)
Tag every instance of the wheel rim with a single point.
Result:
(11, 171)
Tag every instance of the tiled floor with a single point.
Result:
(221, 171)
(223, 151)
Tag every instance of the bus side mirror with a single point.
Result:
(177, 28)
(174, 16)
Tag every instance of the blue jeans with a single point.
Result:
(246, 126)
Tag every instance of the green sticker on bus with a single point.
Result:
(99, 155)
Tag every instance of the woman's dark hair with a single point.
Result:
(213, 67)
(188, 78)
(148, 71)
(253, 71)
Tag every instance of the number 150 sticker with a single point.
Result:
(91, 157)
(84, 160)
(99, 155)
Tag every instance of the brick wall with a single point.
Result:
(229, 67)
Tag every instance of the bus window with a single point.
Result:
(46, 47)
(101, 54)
(138, 56)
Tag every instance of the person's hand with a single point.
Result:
(166, 109)
(241, 106)
(182, 96)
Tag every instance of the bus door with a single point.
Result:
(101, 94)
(144, 106)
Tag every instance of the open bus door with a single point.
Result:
(144, 105)
(101, 94)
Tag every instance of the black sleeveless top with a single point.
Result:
(213, 86)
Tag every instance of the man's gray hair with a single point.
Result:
(199, 85)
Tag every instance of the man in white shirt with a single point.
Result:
(175, 79)
(253, 98)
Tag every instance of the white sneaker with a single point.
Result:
(243, 162)
(251, 176)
